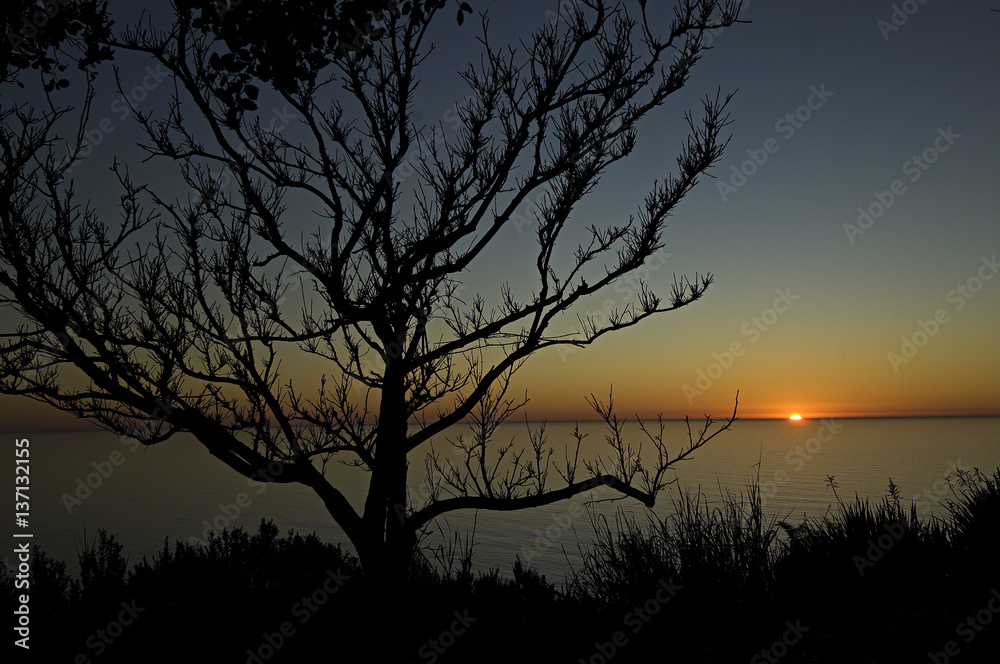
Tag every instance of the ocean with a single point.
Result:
(84, 481)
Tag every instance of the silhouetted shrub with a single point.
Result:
(731, 582)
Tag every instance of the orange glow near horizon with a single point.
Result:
(795, 416)
(646, 381)
(20, 415)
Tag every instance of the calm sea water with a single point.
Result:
(178, 491)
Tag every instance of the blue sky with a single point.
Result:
(892, 95)
(840, 106)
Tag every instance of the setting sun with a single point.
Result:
(795, 416)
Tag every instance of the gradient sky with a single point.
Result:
(813, 310)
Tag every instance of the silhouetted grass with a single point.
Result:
(726, 549)
(973, 524)
(876, 580)
(718, 558)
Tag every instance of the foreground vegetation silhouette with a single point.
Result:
(865, 582)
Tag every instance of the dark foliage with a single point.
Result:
(871, 582)
(288, 44)
(38, 35)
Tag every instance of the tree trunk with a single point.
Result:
(387, 548)
(386, 552)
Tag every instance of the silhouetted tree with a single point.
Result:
(178, 314)
(43, 36)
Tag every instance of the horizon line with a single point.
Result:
(86, 426)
